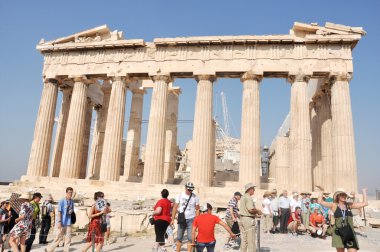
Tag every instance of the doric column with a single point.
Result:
(134, 134)
(73, 144)
(250, 156)
(40, 151)
(155, 146)
(343, 143)
(300, 138)
(171, 135)
(98, 135)
(60, 131)
(86, 139)
(283, 175)
(201, 169)
(111, 158)
(316, 162)
(326, 148)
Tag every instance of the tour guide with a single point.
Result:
(247, 219)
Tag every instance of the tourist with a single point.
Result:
(305, 209)
(232, 217)
(4, 218)
(98, 225)
(248, 213)
(274, 207)
(357, 215)
(343, 237)
(11, 223)
(47, 210)
(294, 223)
(170, 229)
(314, 204)
(108, 221)
(187, 204)
(267, 212)
(204, 228)
(162, 219)
(21, 231)
(284, 205)
(36, 220)
(318, 224)
(64, 221)
(295, 202)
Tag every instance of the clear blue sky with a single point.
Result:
(24, 23)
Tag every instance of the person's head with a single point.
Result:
(98, 195)
(249, 188)
(206, 208)
(7, 203)
(313, 200)
(237, 196)
(69, 192)
(164, 193)
(285, 193)
(266, 194)
(274, 194)
(295, 195)
(108, 204)
(297, 210)
(189, 187)
(316, 210)
(340, 196)
(37, 197)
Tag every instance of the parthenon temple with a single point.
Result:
(95, 69)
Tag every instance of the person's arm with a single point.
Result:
(194, 230)
(157, 211)
(91, 214)
(321, 201)
(226, 227)
(231, 210)
(358, 205)
(197, 210)
(174, 212)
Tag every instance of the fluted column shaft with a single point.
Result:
(73, 144)
(283, 175)
(155, 146)
(40, 151)
(201, 169)
(326, 142)
(171, 135)
(134, 134)
(99, 131)
(111, 158)
(86, 139)
(316, 164)
(300, 137)
(60, 132)
(250, 158)
(343, 143)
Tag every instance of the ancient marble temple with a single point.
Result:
(95, 69)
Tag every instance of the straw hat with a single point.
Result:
(338, 192)
(267, 194)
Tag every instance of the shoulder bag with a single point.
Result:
(181, 215)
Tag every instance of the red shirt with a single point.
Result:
(165, 205)
(291, 218)
(316, 218)
(206, 224)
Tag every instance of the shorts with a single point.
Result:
(181, 230)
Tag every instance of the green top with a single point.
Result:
(36, 209)
(246, 203)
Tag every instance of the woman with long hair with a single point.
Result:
(343, 235)
(95, 214)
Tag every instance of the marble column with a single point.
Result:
(201, 169)
(111, 158)
(250, 155)
(40, 151)
(282, 172)
(60, 131)
(316, 164)
(99, 131)
(326, 148)
(300, 137)
(132, 148)
(73, 144)
(86, 139)
(343, 143)
(171, 136)
(155, 146)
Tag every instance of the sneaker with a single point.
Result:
(161, 249)
(227, 246)
(174, 246)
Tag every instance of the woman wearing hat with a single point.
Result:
(23, 225)
(343, 216)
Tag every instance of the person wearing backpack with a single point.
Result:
(187, 205)
(46, 210)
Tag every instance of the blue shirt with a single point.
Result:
(64, 207)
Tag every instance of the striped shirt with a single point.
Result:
(234, 204)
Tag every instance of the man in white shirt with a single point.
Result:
(187, 203)
(295, 202)
(284, 211)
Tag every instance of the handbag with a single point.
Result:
(73, 218)
(151, 220)
(235, 228)
(181, 215)
(345, 232)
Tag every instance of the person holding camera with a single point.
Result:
(343, 235)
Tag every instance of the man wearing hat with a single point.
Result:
(35, 202)
(46, 210)
(247, 219)
(232, 215)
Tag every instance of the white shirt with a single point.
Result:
(266, 206)
(274, 204)
(283, 202)
(294, 203)
(190, 210)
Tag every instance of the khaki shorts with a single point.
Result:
(300, 227)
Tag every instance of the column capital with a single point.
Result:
(51, 80)
(82, 78)
(300, 77)
(175, 90)
(339, 76)
(251, 76)
(206, 77)
(166, 78)
(66, 89)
